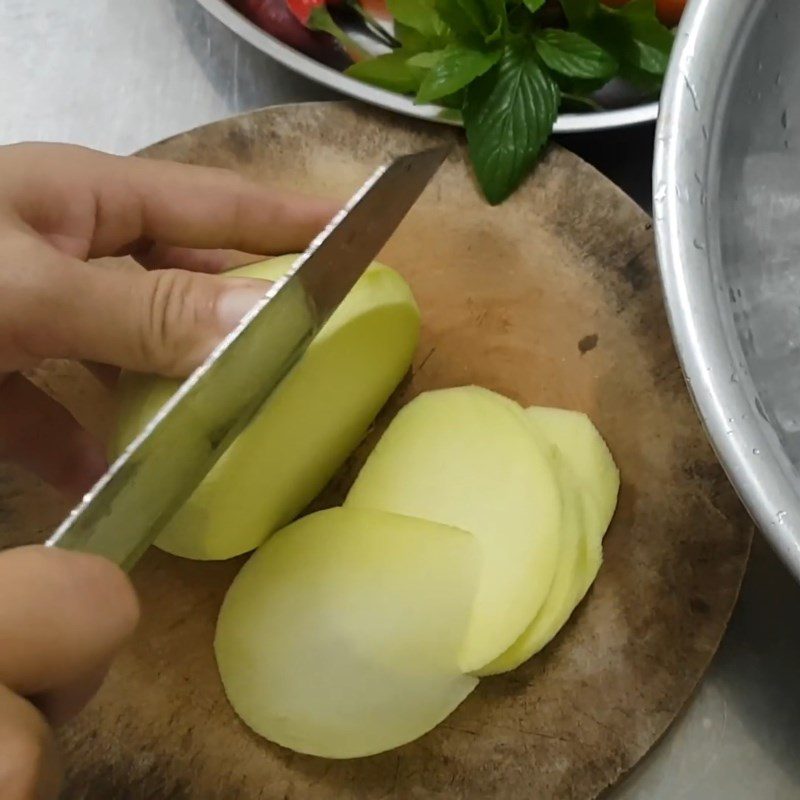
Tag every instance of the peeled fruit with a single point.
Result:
(589, 482)
(560, 602)
(587, 455)
(340, 636)
(304, 431)
(469, 458)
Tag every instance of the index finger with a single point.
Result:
(131, 200)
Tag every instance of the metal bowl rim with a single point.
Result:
(756, 464)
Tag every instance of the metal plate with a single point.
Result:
(333, 79)
(727, 213)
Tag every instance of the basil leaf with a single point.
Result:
(410, 39)
(474, 21)
(420, 15)
(579, 12)
(652, 40)
(635, 37)
(533, 5)
(391, 71)
(426, 60)
(580, 87)
(638, 9)
(652, 46)
(508, 115)
(453, 70)
(573, 55)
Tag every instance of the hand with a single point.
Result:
(61, 206)
(63, 615)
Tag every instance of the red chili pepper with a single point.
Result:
(302, 9)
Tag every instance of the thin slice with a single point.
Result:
(571, 573)
(586, 453)
(340, 636)
(589, 483)
(467, 457)
(306, 429)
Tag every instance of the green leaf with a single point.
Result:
(321, 20)
(533, 5)
(456, 67)
(637, 9)
(419, 15)
(412, 40)
(508, 116)
(635, 37)
(578, 102)
(391, 71)
(426, 60)
(582, 87)
(579, 12)
(474, 21)
(653, 44)
(573, 55)
(454, 103)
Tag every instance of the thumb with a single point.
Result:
(164, 321)
(63, 616)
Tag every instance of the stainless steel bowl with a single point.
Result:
(727, 217)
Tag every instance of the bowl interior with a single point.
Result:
(727, 203)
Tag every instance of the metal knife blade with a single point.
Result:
(125, 510)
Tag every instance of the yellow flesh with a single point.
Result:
(586, 453)
(340, 636)
(464, 457)
(560, 601)
(589, 483)
(305, 430)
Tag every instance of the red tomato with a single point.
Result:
(377, 8)
(669, 11)
(277, 19)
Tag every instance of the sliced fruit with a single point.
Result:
(589, 482)
(306, 429)
(570, 574)
(587, 455)
(340, 636)
(467, 457)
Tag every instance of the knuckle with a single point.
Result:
(179, 309)
(29, 288)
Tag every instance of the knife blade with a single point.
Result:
(122, 514)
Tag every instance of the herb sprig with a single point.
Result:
(507, 65)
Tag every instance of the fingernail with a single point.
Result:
(236, 302)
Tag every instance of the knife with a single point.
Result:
(123, 513)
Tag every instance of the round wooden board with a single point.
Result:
(553, 298)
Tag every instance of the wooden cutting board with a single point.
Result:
(552, 298)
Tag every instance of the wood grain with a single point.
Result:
(552, 298)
